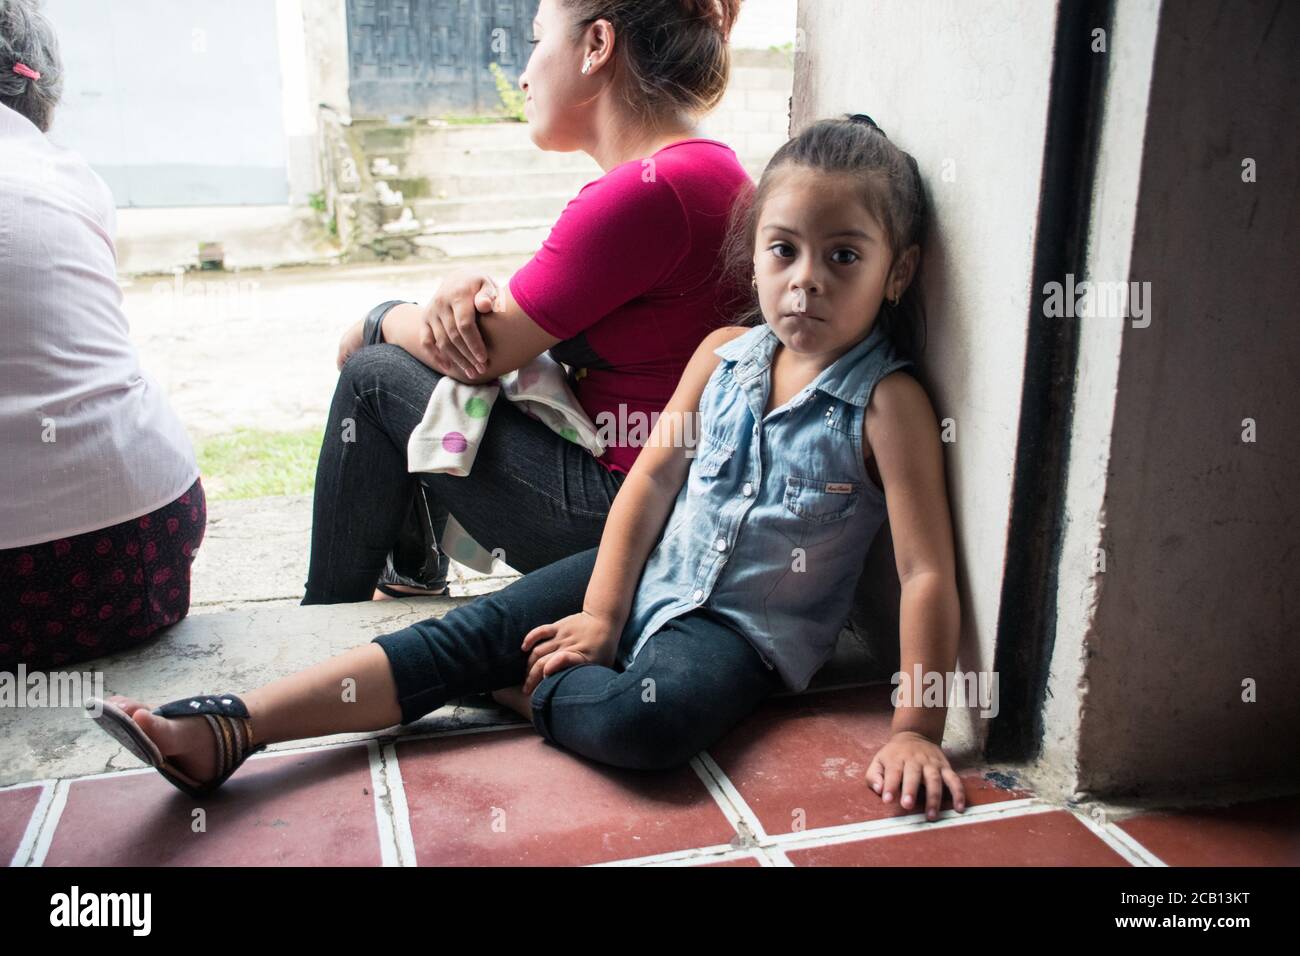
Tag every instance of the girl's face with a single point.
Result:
(557, 91)
(822, 262)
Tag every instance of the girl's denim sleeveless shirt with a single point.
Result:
(771, 527)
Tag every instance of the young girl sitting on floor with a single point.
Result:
(719, 578)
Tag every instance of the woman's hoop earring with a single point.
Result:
(754, 281)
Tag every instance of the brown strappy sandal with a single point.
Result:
(226, 715)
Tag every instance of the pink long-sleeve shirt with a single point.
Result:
(629, 280)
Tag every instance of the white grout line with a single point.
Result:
(771, 849)
(774, 856)
(687, 857)
(261, 755)
(729, 810)
(50, 822)
(1120, 841)
(25, 845)
(401, 811)
(912, 823)
(389, 855)
(727, 796)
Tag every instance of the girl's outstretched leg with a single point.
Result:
(397, 678)
(310, 703)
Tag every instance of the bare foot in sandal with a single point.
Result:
(186, 742)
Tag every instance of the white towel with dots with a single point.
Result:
(448, 436)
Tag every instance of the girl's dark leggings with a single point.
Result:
(691, 682)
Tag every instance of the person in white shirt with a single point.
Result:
(101, 506)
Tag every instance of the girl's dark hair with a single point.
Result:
(891, 189)
(673, 53)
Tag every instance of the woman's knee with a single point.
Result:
(384, 363)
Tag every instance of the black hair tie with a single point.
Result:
(866, 120)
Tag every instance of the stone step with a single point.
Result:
(234, 651)
(522, 158)
(256, 550)
(452, 184)
(471, 209)
(452, 243)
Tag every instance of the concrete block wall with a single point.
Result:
(754, 115)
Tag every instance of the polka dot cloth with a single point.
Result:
(104, 591)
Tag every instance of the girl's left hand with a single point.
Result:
(910, 758)
(580, 638)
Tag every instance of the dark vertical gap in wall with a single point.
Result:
(1026, 630)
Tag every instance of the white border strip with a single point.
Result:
(380, 795)
(911, 823)
(727, 796)
(23, 851)
(50, 823)
(1121, 842)
(401, 814)
(687, 857)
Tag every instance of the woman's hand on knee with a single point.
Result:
(580, 638)
(452, 316)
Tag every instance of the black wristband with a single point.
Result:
(372, 332)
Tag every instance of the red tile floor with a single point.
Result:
(786, 788)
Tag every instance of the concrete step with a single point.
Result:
(452, 243)
(452, 184)
(238, 650)
(498, 207)
(256, 550)
(522, 158)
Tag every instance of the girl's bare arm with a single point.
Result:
(902, 432)
(643, 502)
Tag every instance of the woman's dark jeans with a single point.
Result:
(690, 683)
(531, 493)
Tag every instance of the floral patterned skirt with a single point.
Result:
(100, 592)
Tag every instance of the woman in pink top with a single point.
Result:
(624, 289)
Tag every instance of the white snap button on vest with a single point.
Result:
(721, 544)
(747, 490)
(699, 596)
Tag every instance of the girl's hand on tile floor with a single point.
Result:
(911, 759)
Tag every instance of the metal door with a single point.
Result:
(429, 57)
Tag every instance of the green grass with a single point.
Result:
(248, 463)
